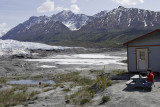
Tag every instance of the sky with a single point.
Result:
(14, 12)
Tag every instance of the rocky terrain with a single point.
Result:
(43, 65)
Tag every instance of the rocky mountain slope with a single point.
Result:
(44, 28)
(125, 18)
(71, 20)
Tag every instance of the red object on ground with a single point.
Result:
(40, 83)
(150, 77)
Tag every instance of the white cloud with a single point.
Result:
(2, 25)
(60, 9)
(128, 2)
(47, 6)
(73, 1)
(74, 8)
(3, 29)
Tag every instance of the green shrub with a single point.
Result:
(105, 99)
(84, 93)
(102, 82)
(10, 98)
(84, 81)
(84, 101)
(109, 82)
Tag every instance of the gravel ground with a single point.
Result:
(19, 68)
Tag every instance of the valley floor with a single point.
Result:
(63, 63)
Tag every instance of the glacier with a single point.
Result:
(13, 47)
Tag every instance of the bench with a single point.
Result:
(129, 82)
(136, 81)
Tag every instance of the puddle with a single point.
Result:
(31, 82)
(47, 66)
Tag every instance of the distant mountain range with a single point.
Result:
(104, 29)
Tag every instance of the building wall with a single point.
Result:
(154, 58)
(132, 59)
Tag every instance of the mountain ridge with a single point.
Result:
(107, 27)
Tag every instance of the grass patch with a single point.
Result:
(105, 99)
(118, 72)
(98, 72)
(84, 81)
(82, 96)
(85, 94)
(84, 101)
(102, 81)
(73, 77)
(109, 83)
(66, 77)
(46, 85)
(2, 80)
(69, 77)
(17, 78)
(16, 95)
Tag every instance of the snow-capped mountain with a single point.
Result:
(125, 18)
(35, 29)
(69, 19)
(44, 25)
(117, 25)
(100, 14)
(25, 26)
(72, 20)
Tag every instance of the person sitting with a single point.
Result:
(150, 80)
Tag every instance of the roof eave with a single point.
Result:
(158, 30)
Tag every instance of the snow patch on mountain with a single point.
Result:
(71, 20)
(145, 24)
(129, 22)
(70, 25)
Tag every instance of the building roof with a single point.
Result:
(148, 34)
